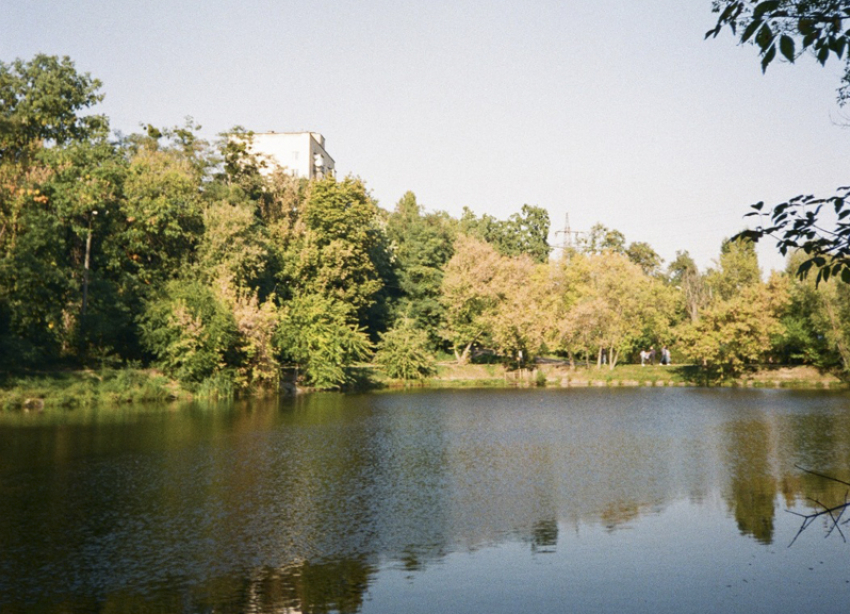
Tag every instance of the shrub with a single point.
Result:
(403, 352)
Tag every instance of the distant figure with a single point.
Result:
(651, 354)
(644, 355)
(665, 356)
(604, 356)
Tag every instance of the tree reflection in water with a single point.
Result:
(313, 504)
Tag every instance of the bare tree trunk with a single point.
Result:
(86, 273)
(614, 355)
(463, 358)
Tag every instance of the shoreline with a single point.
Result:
(122, 387)
(626, 376)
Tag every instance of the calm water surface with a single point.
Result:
(597, 500)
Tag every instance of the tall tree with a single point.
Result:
(42, 218)
(522, 233)
(642, 254)
(421, 244)
(41, 103)
(602, 239)
(738, 268)
(684, 275)
(737, 331)
(469, 294)
(817, 323)
(337, 247)
(521, 321)
(609, 303)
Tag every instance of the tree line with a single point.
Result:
(160, 248)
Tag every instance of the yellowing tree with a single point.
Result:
(737, 331)
(469, 295)
(524, 312)
(609, 303)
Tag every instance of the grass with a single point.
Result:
(71, 389)
(112, 387)
(554, 374)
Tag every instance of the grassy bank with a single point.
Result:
(71, 389)
(560, 375)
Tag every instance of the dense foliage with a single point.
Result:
(162, 249)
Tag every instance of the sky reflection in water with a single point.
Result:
(638, 500)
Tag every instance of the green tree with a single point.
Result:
(234, 244)
(421, 244)
(336, 246)
(737, 269)
(602, 239)
(41, 100)
(55, 170)
(522, 233)
(85, 194)
(317, 334)
(642, 254)
(403, 351)
(163, 216)
(190, 331)
(527, 233)
(817, 323)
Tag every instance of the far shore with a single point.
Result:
(120, 387)
(627, 375)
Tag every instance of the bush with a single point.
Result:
(317, 334)
(192, 334)
(403, 352)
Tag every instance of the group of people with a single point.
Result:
(649, 356)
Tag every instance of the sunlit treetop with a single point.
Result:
(40, 100)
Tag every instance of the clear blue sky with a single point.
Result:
(613, 111)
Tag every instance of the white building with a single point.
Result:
(302, 154)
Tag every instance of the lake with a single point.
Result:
(583, 500)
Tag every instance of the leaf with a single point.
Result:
(765, 7)
(764, 38)
(806, 27)
(750, 30)
(752, 235)
(768, 57)
(786, 47)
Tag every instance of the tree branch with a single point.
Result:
(834, 520)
